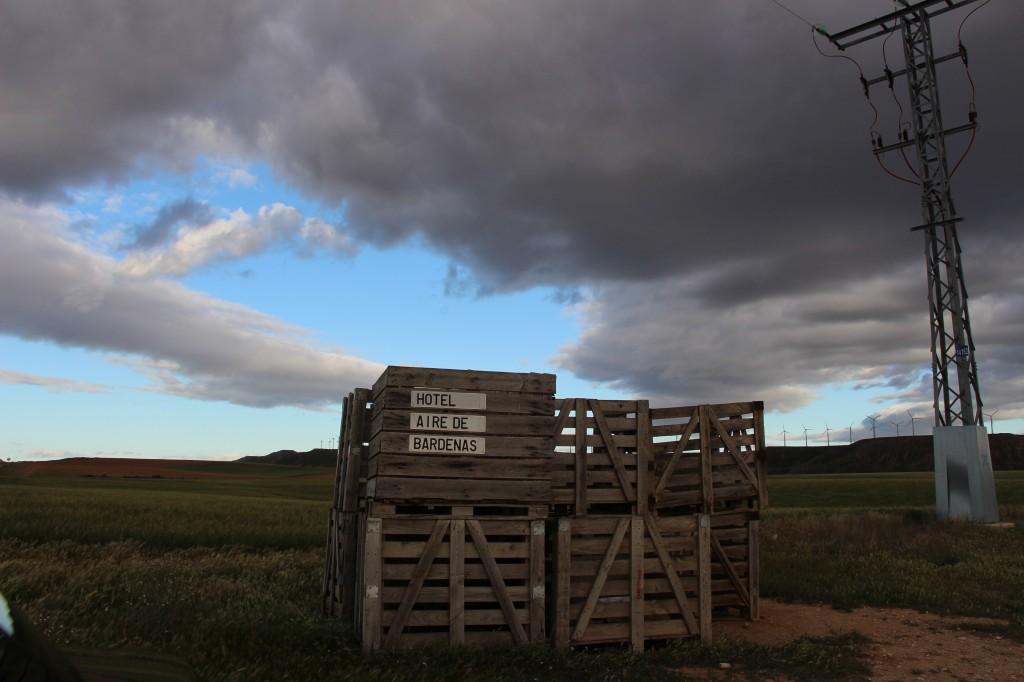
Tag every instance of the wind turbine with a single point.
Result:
(913, 431)
(828, 440)
(851, 433)
(784, 432)
(992, 421)
(805, 435)
(897, 425)
(873, 418)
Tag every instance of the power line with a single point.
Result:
(794, 13)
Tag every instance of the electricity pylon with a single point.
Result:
(956, 395)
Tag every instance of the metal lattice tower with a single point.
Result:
(957, 398)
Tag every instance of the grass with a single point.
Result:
(226, 574)
(891, 559)
(162, 513)
(240, 613)
(875, 491)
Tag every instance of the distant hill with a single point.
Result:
(317, 457)
(906, 453)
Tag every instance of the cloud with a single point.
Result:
(669, 343)
(698, 168)
(185, 211)
(53, 384)
(237, 236)
(55, 289)
(112, 204)
(237, 177)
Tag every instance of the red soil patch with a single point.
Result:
(906, 644)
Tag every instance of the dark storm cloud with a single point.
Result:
(187, 210)
(90, 89)
(690, 161)
(537, 142)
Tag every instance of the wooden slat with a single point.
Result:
(707, 487)
(472, 380)
(636, 580)
(537, 596)
(357, 451)
(438, 619)
(563, 568)
(602, 575)
(704, 576)
(613, 452)
(609, 407)
(497, 446)
(625, 441)
(459, 466)
(497, 582)
(643, 456)
(371, 575)
(412, 549)
(413, 525)
(618, 632)
(457, 583)
(671, 575)
(564, 408)
(671, 466)
(441, 594)
(497, 424)
(339, 468)
(516, 571)
(416, 583)
(762, 472)
(581, 457)
(498, 402)
(454, 491)
(665, 413)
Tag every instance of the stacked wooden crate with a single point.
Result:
(660, 518)
(456, 496)
(709, 460)
(621, 573)
(471, 509)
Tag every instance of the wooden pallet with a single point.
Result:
(451, 580)
(708, 458)
(514, 437)
(631, 578)
(602, 456)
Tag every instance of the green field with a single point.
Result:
(226, 573)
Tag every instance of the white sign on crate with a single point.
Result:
(448, 400)
(455, 445)
(424, 421)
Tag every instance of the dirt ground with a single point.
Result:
(907, 645)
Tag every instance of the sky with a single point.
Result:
(218, 217)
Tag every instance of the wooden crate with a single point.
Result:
(512, 464)
(427, 580)
(631, 578)
(602, 456)
(708, 458)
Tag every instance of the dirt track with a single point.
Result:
(907, 645)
